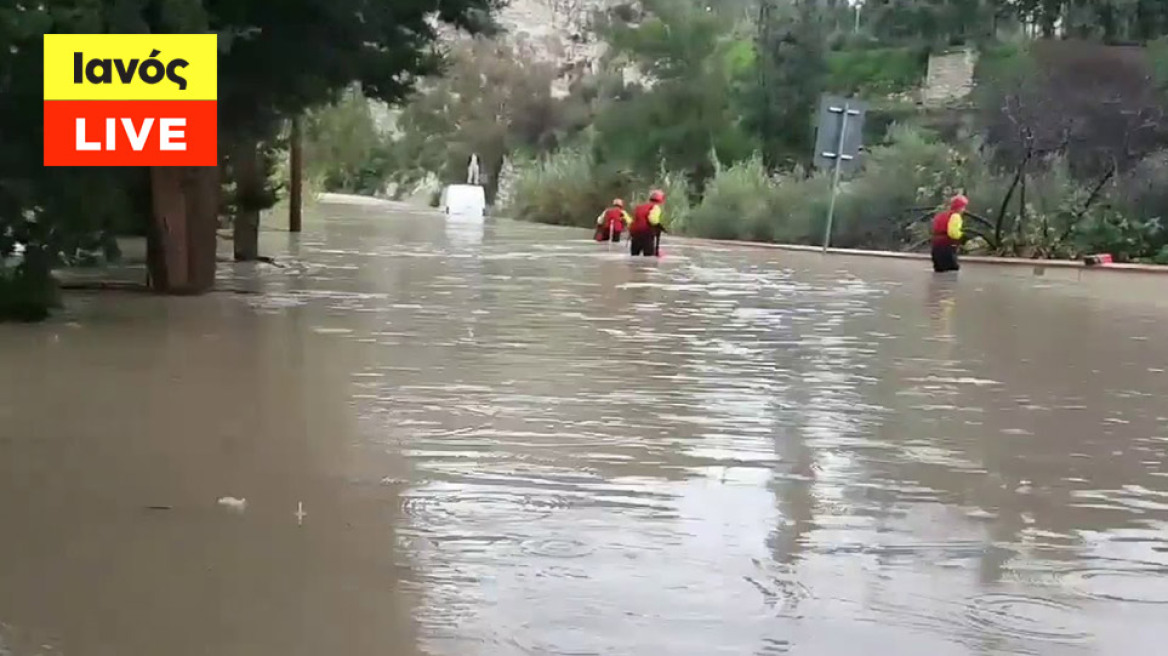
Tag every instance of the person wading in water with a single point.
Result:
(948, 235)
(612, 222)
(646, 228)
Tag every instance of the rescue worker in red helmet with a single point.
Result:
(647, 226)
(948, 235)
(612, 221)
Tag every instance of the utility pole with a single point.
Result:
(296, 172)
(838, 140)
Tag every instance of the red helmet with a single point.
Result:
(616, 202)
(657, 196)
(958, 203)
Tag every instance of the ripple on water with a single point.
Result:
(782, 592)
(1146, 585)
(772, 646)
(557, 548)
(439, 511)
(1031, 618)
(931, 551)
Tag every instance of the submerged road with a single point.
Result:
(510, 440)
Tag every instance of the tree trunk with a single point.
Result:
(182, 242)
(999, 224)
(491, 188)
(249, 185)
(296, 170)
(1021, 220)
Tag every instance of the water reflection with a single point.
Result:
(517, 441)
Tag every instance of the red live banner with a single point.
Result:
(131, 133)
(131, 100)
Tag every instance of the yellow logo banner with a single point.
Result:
(131, 67)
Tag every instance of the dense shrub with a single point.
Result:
(877, 71)
(744, 202)
(735, 200)
(565, 188)
(886, 205)
(568, 188)
(344, 149)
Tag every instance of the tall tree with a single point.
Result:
(277, 59)
(791, 68)
(494, 97)
(319, 48)
(683, 108)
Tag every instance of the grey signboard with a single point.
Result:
(839, 116)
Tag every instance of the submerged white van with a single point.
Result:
(464, 201)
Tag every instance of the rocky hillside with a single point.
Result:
(558, 27)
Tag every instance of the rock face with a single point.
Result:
(558, 27)
(558, 31)
(950, 77)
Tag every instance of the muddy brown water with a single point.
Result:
(510, 440)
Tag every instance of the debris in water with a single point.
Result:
(233, 504)
(160, 507)
(300, 514)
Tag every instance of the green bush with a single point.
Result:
(678, 210)
(886, 205)
(344, 149)
(735, 202)
(565, 188)
(1130, 222)
(877, 71)
(744, 202)
(568, 188)
(911, 170)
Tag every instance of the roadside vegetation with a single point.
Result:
(1061, 145)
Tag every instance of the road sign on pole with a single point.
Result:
(837, 144)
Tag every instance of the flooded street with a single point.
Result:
(510, 440)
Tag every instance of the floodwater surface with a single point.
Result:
(510, 440)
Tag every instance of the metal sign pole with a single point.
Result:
(838, 156)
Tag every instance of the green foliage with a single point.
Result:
(570, 188)
(566, 188)
(735, 203)
(745, 202)
(281, 58)
(344, 149)
(1158, 62)
(876, 71)
(1109, 21)
(695, 63)
(911, 170)
(933, 23)
(494, 99)
(1131, 222)
(678, 199)
(1033, 156)
(790, 76)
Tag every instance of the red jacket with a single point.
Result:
(941, 228)
(641, 223)
(943, 235)
(614, 219)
